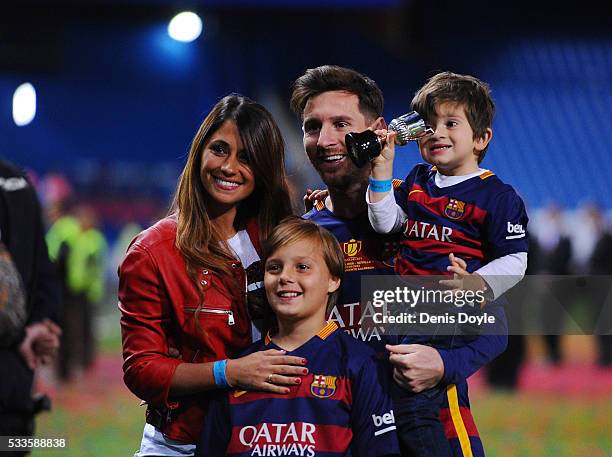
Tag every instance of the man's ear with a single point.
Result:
(378, 124)
(481, 143)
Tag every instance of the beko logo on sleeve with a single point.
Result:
(515, 231)
(386, 421)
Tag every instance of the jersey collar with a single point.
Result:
(329, 328)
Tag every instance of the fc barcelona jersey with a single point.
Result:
(479, 219)
(368, 252)
(341, 408)
(365, 253)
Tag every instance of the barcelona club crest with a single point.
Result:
(323, 386)
(455, 209)
(351, 247)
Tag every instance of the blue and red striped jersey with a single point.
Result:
(459, 426)
(365, 253)
(341, 408)
(479, 219)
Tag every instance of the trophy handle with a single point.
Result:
(409, 127)
(363, 147)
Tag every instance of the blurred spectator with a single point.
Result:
(552, 256)
(27, 273)
(54, 189)
(503, 371)
(601, 264)
(80, 251)
(585, 235)
(126, 235)
(61, 240)
(62, 233)
(87, 275)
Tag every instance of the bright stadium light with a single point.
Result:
(185, 26)
(24, 104)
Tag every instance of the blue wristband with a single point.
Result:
(219, 373)
(383, 185)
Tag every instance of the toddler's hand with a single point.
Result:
(387, 154)
(462, 279)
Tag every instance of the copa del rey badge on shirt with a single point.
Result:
(323, 386)
(351, 247)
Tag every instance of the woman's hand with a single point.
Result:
(269, 371)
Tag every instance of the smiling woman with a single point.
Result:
(226, 173)
(185, 282)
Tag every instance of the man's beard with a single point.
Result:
(345, 180)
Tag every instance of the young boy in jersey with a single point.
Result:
(343, 405)
(457, 219)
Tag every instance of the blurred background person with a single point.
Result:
(28, 278)
(61, 239)
(601, 264)
(584, 235)
(87, 275)
(126, 234)
(79, 249)
(552, 253)
(504, 371)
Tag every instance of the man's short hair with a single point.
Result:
(467, 90)
(328, 78)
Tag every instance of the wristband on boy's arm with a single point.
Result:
(380, 185)
(219, 373)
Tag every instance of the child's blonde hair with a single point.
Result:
(292, 229)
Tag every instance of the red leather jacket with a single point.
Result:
(158, 301)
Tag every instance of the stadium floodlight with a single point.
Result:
(24, 104)
(185, 26)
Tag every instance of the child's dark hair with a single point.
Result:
(294, 228)
(331, 77)
(467, 90)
